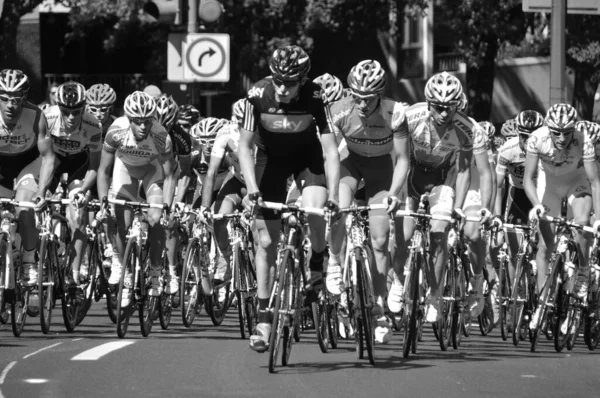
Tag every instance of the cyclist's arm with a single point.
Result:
(591, 169)
(332, 165)
(209, 180)
(463, 177)
(168, 165)
(107, 160)
(494, 185)
(500, 177)
(531, 164)
(482, 162)
(402, 165)
(44, 143)
(92, 173)
(246, 145)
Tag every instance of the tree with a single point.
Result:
(481, 26)
(11, 13)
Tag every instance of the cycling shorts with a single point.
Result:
(551, 191)
(377, 172)
(23, 173)
(517, 206)
(126, 180)
(76, 166)
(419, 181)
(272, 176)
(232, 190)
(473, 200)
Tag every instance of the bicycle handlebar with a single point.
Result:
(293, 208)
(358, 209)
(143, 205)
(17, 203)
(569, 223)
(438, 217)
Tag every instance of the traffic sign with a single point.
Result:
(174, 57)
(590, 7)
(206, 57)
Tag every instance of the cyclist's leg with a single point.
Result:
(349, 178)
(77, 219)
(580, 205)
(518, 205)
(477, 251)
(272, 182)
(550, 194)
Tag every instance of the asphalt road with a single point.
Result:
(209, 361)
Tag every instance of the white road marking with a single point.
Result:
(40, 350)
(6, 370)
(1, 396)
(100, 351)
(81, 338)
(529, 376)
(36, 381)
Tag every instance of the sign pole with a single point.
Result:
(557, 52)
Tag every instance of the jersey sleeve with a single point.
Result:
(503, 160)
(250, 116)
(112, 142)
(220, 146)
(96, 140)
(589, 149)
(322, 116)
(167, 148)
(479, 139)
(532, 143)
(181, 140)
(399, 122)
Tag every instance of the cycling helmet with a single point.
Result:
(13, 81)
(238, 110)
(188, 115)
(70, 95)
(100, 94)
(561, 116)
(488, 129)
(590, 128)
(207, 129)
(367, 77)
(529, 121)
(289, 63)
(166, 110)
(443, 88)
(331, 87)
(139, 105)
(509, 128)
(463, 102)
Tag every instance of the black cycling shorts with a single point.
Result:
(517, 206)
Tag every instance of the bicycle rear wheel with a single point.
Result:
(564, 318)
(519, 298)
(45, 283)
(411, 303)
(125, 296)
(294, 305)
(165, 309)
(89, 287)
(334, 324)
(547, 295)
(218, 303)
(189, 288)
(319, 313)
(504, 298)
(591, 326)
(444, 325)
(282, 291)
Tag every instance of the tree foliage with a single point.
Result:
(11, 14)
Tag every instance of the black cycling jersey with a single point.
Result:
(182, 142)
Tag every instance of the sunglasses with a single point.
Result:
(12, 100)
(559, 132)
(439, 108)
(99, 109)
(139, 121)
(69, 111)
(206, 141)
(286, 84)
(359, 97)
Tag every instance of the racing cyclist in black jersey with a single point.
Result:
(100, 101)
(282, 114)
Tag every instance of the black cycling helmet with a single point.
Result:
(289, 63)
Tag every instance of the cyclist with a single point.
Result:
(140, 150)
(26, 159)
(187, 117)
(444, 141)
(564, 159)
(282, 113)
(77, 140)
(373, 126)
(100, 100)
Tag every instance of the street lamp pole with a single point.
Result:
(557, 52)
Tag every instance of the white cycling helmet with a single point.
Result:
(238, 110)
(206, 130)
(166, 111)
(444, 88)
(71, 95)
(509, 128)
(331, 87)
(13, 81)
(488, 129)
(367, 78)
(139, 105)
(101, 94)
(589, 128)
(561, 116)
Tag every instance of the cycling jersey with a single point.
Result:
(121, 141)
(285, 130)
(554, 162)
(106, 126)
(373, 136)
(86, 138)
(182, 142)
(429, 151)
(473, 198)
(226, 145)
(512, 158)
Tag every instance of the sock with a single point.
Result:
(264, 316)
(316, 261)
(29, 256)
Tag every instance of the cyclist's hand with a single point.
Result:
(252, 201)
(204, 214)
(537, 212)
(485, 216)
(458, 214)
(497, 222)
(40, 203)
(393, 204)
(596, 226)
(80, 200)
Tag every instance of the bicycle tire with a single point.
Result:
(216, 308)
(411, 300)
(124, 312)
(574, 329)
(242, 314)
(189, 288)
(241, 291)
(321, 327)
(591, 331)
(334, 324)
(458, 321)
(365, 285)
(504, 298)
(165, 310)
(251, 305)
(148, 306)
(4, 262)
(281, 301)
(563, 314)
(443, 329)
(293, 302)
(486, 318)
(4, 314)
(111, 306)
(519, 298)
(45, 285)
(94, 263)
(546, 292)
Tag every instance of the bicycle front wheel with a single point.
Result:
(411, 302)
(281, 307)
(364, 259)
(503, 297)
(190, 283)
(519, 298)
(125, 296)
(89, 285)
(45, 284)
(444, 325)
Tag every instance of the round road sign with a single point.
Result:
(206, 57)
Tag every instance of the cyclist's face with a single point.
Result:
(102, 112)
(561, 138)
(286, 91)
(71, 117)
(523, 138)
(366, 104)
(11, 105)
(140, 127)
(442, 114)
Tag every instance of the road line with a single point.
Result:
(6, 370)
(81, 338)
(529, 376)
(40, 350)
(100, 351)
